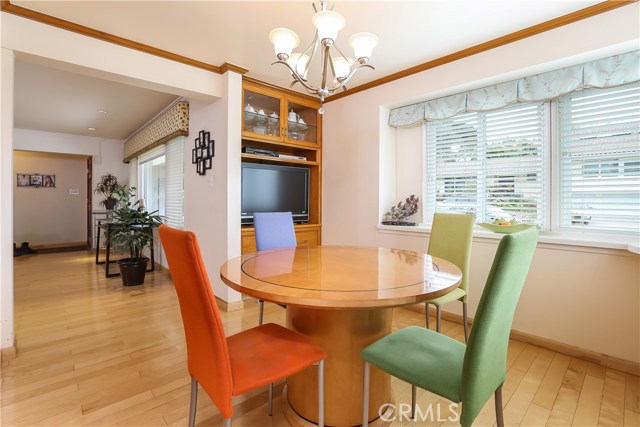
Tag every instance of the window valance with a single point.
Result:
(171, 123)
(608, 72)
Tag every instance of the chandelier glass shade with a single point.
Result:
(336, 68)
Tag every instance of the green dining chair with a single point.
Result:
(451, 236)
(462, 373)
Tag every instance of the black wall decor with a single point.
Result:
(203, 153)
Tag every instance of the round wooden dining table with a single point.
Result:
(342, 298)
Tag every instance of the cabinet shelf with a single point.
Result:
(276, 144)
(278, 159)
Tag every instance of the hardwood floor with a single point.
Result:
(91, 352)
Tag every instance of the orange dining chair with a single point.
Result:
(229, 366)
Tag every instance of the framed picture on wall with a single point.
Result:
(35, 180)
(49, 181)
(23, 180)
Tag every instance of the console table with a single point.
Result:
(98, 215)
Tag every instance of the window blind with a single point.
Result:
(490, 164)
(151, 154)
(174, 173)
(133, 173)
(599, 170)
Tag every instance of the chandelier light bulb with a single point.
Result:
(363, 44)
(342, 67)
(284, 41)
(299, 62)
(328, 23)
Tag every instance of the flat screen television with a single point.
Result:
(274, 188)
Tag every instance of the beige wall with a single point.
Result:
(107, 153)
(49, 216)
(212, 201)
(584, 297)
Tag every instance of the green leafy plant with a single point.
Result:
(134, 224)
(108, 187)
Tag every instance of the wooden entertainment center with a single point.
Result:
(287, 123)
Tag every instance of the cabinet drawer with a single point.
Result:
(248, 244)
(307, 237)
(304, 237)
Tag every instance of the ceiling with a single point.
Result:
(53, 100)
(215, 32)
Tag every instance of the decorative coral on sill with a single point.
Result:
(398, 214)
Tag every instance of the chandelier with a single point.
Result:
(341, 67)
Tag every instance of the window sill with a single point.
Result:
(596, 241)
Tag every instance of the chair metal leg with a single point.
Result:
(438, 311)
(193, 403)
(260, 319)
(413, 402)
(498, 398)
(464, 321)
(365, 396)
(227, 422)
(270, 399)
(321, 393)
(426, 314)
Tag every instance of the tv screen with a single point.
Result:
(272, 188)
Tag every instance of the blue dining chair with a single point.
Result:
(274, 230)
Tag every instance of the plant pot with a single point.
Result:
(110, 204)
(133, 270)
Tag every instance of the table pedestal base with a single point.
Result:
(342, 334)
(295, 420)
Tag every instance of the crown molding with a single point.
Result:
(578, 15)
(231, 67)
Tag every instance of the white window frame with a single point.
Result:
(143, 159)
(152, 155)
(557, 154)
(428, 151)
(551, 169)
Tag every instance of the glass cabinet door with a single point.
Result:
(261, 114)
(302, 122)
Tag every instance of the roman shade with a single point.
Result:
(608, 72)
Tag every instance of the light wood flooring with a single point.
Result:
(91, 352)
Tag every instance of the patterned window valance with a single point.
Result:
(608, 72)
(171, 123)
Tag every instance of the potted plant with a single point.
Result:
(108, 187)
(132, 232)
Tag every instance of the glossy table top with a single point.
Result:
(341, 276)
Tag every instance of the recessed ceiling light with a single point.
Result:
(91, 129)
(103, 111)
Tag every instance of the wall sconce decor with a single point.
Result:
(204, 151)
